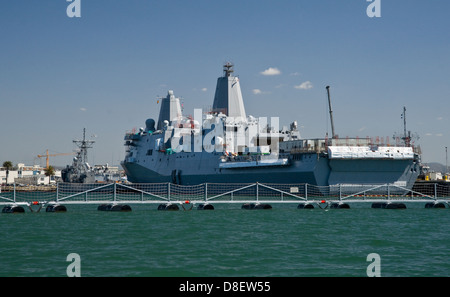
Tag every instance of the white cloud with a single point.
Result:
(204, 89)
(271, 71)
(440, 118)
(83, 109)
(304, 85)
(259, 92)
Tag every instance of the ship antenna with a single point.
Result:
(227, 69)
(331, 113)
(406, 136)
(83, 145)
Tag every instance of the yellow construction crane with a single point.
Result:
(53, 155)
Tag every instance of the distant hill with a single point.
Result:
(436, 167)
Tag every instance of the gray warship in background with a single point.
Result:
(223, 145)
(80, 171)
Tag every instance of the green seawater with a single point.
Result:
(226, 242)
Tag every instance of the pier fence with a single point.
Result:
(209, 193)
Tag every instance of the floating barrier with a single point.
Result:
(435, 205)
(118, 197)
(168, 206)
(55, 208)
(339, 205)
(256, 206)
(205, 206)
(305, 206)
(389, 205)
(13, 209)
(114, 207)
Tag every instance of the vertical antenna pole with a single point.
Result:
(407, 135)
(404, 122)
(446, 162)
(331, 113)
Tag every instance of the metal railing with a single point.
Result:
(69, 193)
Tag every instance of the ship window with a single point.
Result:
(149, 152)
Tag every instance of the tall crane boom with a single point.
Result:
(47, 155)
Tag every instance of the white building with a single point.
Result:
(22, 174)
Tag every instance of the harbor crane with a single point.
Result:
(47, 155)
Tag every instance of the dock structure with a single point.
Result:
(168, 196)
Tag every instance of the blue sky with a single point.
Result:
(105, 70)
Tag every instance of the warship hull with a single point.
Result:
(316, 170)
(315, 173)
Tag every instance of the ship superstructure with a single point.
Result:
(224, 145)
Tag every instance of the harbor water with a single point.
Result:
(226, 242)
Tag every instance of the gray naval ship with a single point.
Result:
(80, 171)
(223, 145)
